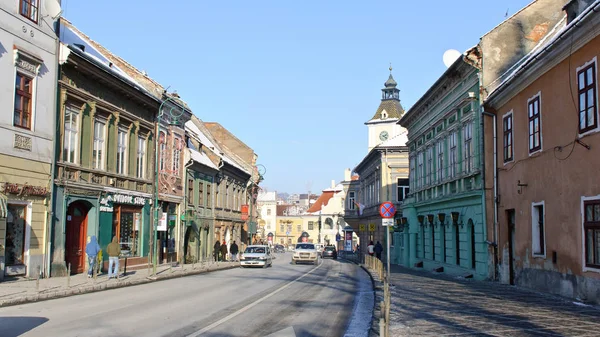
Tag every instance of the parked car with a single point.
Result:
(319, 248)
(257, 256)
(329, 251)
(279, 249)
(305, 252)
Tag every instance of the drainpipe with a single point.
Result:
(495, 242)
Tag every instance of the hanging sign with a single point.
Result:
(162, 223)
(244, 212)
(106, 203)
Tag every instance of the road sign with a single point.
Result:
(361, 227)
(371, 227)
(387, 222)
(387, 210)
(287, 233)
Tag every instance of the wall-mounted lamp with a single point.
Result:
(454, 216)
(442, 217)
(403, 220)
(430, 219)
(420, 218)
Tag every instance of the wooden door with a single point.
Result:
(76, 237)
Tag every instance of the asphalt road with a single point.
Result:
(280, 301)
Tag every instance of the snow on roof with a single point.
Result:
(70, 37)
(191, 126)
(233, 163)
(337, 188)
(203, 159)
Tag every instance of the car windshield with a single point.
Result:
(330, 248)
(305, 246)
(257, 250)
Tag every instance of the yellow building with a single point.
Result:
(289, 229)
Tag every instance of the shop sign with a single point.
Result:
(348, 243)
(162, 223)
(24, 189)
(106, 203)
(129, 199)
(244, 212)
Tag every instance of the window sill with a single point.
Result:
(539, 256)
(591, 269)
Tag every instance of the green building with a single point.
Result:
(444, 224)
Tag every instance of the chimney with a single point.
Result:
(333, 184)
(347, 174)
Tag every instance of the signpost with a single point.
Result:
(387, 210)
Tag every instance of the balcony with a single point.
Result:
(76, 174)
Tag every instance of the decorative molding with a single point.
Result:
(21, 142)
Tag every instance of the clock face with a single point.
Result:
(383, 135)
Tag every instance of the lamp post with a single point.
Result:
(261, 169)
(172, 117)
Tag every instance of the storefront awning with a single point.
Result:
(3, 206)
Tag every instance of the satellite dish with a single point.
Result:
(450, 56)
(52, 8)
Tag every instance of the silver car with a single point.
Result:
(305, 252)
(257, 256)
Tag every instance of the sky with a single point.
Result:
(294, 80)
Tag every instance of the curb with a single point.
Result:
(31, 298)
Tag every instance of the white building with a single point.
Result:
(330, 208)
(267, 208)
(28, 81)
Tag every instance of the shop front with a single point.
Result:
(127, 217)
(167, 232)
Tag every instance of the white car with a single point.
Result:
(257, 256)
(305, 252)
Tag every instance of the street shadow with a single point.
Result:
(16, 326)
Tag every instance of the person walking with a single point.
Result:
(378, 249)
(92, 249)
(371, 248)
(234, 251)
(224, 251)
(217, 250)
(114, 251)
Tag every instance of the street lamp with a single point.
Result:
(172, 116)
(253, 185)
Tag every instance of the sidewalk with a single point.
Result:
(429, 304)
(24, 290)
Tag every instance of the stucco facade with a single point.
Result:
(28, 57)
(547, 162)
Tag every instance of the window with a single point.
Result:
(402, 188)
(23, 101)
(177, 156)
(420, 169)
(268, 211)
(429, 166)
(351, 200)
(141, 158)
(453, 154)
(71, 135)
(538, 229)
(591, 228)
(122, 152)
(507, 123)
(98, 150)
(299, 228)
(190, 195)
(311, 225)
(533, 108)
(163, 151)
(29, 9)
(440, 160)
(586, 79)
(208, 199)
(227, 196)
(468, 147)
(281, 228)
(412, 176)
(201, 193)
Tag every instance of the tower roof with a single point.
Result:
(390, 107)
(390, 83)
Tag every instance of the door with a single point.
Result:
(510, 215)
(15, 238)
(76, 237)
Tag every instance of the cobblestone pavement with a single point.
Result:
(428, 304)
(23, 290)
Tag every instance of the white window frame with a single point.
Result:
(351, 200)
(177, 155)
(162, 148)
(440, 159)
(34, 80)
(141, 157)
(535, 231)
(99, 145)
(401, 190)
(420, 156)
(411, 175)
(585, 65)
(70, 131)
(468, 149)
(512, 131)
(453, 155)
(123, 168)
(583, 200)
(538, 95)
(429, 166)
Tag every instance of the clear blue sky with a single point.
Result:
(295, 80)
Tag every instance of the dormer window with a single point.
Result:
(29, 9)
(384, 114)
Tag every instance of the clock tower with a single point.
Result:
(383, 125)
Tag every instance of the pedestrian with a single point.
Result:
(99, 262)
(234, 251)
(224, 251)
(114, 251)
(217, 250)
(91, 249)
(370, 248)
(378, 249)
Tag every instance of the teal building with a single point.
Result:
(443, 222)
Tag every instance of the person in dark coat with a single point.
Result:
(234, 251)
(378, 249)
(217, 250)
(92, 249)
(224, 251)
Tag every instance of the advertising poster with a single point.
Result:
(348, 241)
(162, 223)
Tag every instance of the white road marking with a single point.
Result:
(244, 309)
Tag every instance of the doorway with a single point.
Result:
(16, 225)
(510, 216)
(76, 236)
